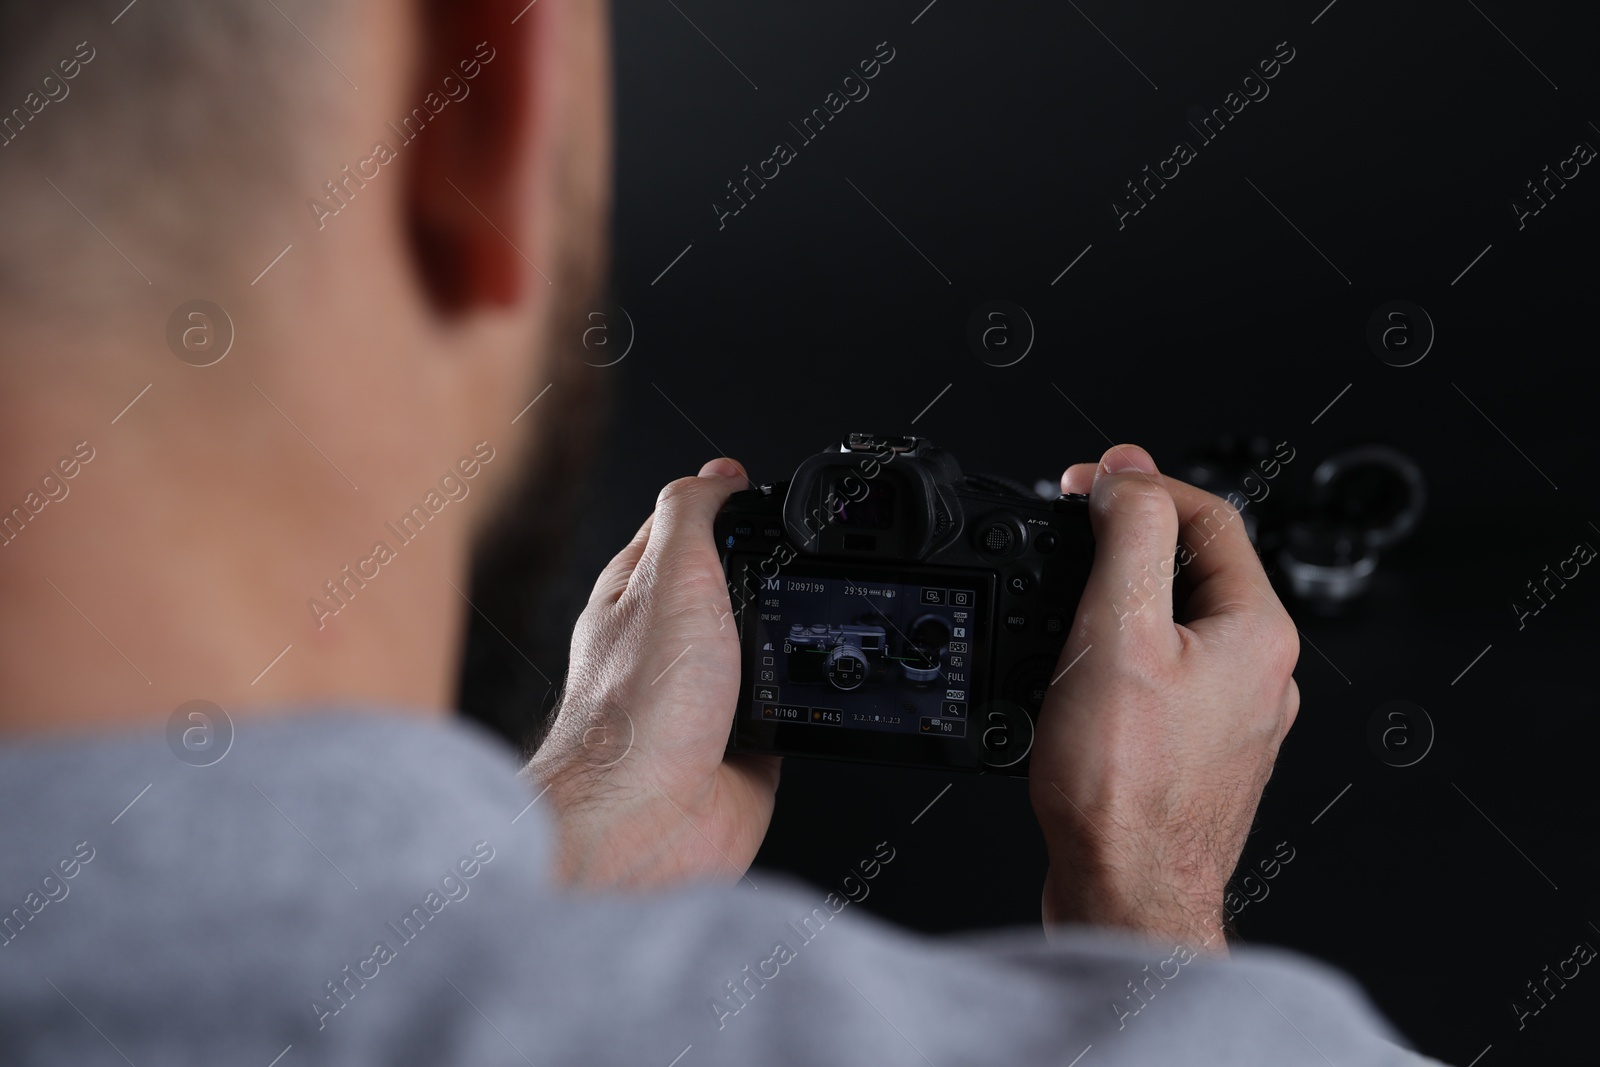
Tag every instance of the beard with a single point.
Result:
(517, 639)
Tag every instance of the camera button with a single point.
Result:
(933, 596)
(1016, 621)
(998, 539)
(1045, 542)
(1055, 623)
(1019, 583)
(773, 532)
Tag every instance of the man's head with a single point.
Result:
(399, 210)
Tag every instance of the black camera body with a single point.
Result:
(892, 610)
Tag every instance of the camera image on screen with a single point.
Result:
(845, 656)
(852, 654)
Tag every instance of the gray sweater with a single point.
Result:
(358, 888)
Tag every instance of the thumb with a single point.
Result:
(1128, 597)
(680, 541)
(613, 580)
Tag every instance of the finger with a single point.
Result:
(1079, 478)
(1129, 592)
(614, 578)
(1223, 575)
(680, 545)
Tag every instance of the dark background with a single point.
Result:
(995, 141)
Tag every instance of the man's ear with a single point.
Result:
(481, 87)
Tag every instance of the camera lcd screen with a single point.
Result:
(886, 649)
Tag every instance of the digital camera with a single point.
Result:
(891, 609)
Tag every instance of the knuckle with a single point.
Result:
(677, 493)
(1286, 646)
(1221, 505)
(1278, 646)
(1141, 661)
(1137, 498)
(1273, 639)
(1216, 516)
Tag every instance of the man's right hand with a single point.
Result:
(1153, 749)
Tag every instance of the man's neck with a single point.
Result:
(133, 581)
